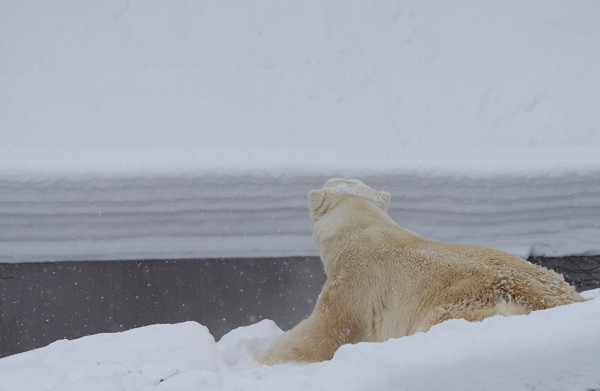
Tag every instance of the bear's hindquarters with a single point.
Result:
(476, 312)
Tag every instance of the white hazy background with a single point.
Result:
(385, 77)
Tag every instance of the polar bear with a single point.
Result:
(384, 281)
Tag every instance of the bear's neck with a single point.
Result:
(339, 229)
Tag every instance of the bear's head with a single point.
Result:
(336, 189)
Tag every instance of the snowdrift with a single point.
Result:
(551, 349)
(195, 129)
(262, 210)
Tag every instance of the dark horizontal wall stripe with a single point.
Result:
(44, 302)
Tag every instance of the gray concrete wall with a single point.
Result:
(43, 302)
(583, 272)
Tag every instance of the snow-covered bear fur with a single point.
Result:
(384, 281)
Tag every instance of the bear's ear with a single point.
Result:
(314, 200)
(385, 198)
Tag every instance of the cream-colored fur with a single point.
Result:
(384, 281)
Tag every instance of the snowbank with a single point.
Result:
(145, 129)
(182, 214)
(550, 349)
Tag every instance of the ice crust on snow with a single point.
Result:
(549, 349)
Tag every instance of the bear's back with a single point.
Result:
(463, 272)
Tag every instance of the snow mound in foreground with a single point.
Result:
(551, 349)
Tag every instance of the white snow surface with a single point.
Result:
(188, 215)
(555, 349)
(122, 75)
(150, 129)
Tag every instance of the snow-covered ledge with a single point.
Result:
(110, 206)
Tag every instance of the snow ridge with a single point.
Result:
(550, 349)
(183, 216)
